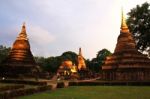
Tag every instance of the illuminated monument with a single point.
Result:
(126, 63)
(20, 61)
(81, 61)
(69, 70)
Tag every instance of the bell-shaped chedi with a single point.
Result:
(81, 61)
(20, 61)
(126, 63)
(66, 65)
(64, 68)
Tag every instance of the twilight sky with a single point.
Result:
(56, 26)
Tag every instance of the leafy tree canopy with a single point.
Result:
(69, 55)
(139, 24)
(97, 62)
(4, 51)
(102, 54)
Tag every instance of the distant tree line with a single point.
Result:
(51, 64)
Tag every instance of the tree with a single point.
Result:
(70, 56)
(102, 54)
(97, 62)
(51, 64)
(139, 25)
(4, 51)
(40, 60)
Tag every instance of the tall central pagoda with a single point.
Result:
(126, 63)
(20, 61)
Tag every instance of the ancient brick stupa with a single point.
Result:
(126, 63)
(66, 70)
(81, 61)
(20, 61)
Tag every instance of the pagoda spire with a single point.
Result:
(125, 39)
(81, 61)
(124, 27)
(80, 51)
(23, 34)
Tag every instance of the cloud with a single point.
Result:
(62, 25)
(8, 35)
(40, 39)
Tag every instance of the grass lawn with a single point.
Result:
(95, 92)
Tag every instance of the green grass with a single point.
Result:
(95, 92)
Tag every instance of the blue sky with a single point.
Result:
(56, 26)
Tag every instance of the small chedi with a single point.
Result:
(126, 63)
(82, 69)
(68, 70)
(20, 61)
(81, 61)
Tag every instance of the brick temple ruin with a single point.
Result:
(126, 63)
(20, 61)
